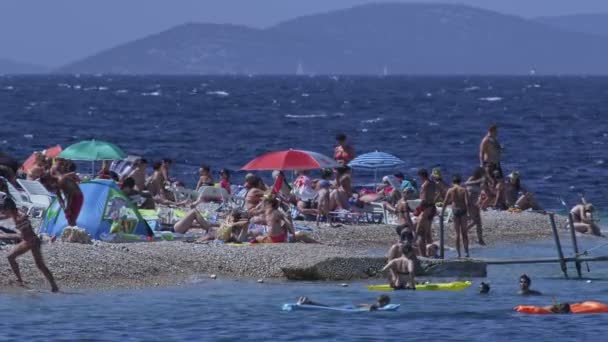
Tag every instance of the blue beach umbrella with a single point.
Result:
(376, 161)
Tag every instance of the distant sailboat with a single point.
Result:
(385, 71)
(300, 70)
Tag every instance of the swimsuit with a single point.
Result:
(24, 226)
(75, 205)
(278, 238)
(458, 212)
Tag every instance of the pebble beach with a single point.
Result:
(104, 265)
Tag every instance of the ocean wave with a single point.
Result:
(305, 95)
(473, 88)
(122, 91)
(218, 93)
(375, 120)
(305, 116)
(491, 99)
(153, 93)
(28, 136)
(8, 88)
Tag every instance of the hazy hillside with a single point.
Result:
(406, 38)
(8, 66)
(585, 23)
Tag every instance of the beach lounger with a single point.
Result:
(23, 201)
(36, 192)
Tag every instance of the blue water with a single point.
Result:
(229, 310)
(554, 129)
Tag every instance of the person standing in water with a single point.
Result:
(524, 286)
(458, 197)
(473, 186)
(29, 240)
(490, 152)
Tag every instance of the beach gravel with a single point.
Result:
(145, 264)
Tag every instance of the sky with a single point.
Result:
(55, 32)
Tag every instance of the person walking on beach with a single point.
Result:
(473, 186)
(490, 151)
(29, 240)
(458, 197)
(343, 152)
(69, 196)
(427, 210)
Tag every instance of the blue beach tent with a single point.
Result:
(106, 209)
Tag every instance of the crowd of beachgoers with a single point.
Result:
(257, 213)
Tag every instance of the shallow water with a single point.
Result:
(554, 129)
(229, 310)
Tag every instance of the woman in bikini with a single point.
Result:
(29, 240)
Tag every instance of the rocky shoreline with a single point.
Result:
(348, 252)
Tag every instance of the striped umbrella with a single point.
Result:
(376, 161)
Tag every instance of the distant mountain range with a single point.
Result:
(8, 66)
(392, 38)
(596, 24)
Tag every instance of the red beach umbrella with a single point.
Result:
(50, 152)
(290, 160)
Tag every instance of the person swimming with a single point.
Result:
(484, 288)
(524, 286)
(382, 301)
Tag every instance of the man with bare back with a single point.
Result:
(69, 196)
(490, 152)
(427, 210)
(458, 197)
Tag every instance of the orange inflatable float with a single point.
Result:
(575, 308)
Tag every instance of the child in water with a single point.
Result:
(29, 240)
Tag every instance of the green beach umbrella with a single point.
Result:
(92, 150)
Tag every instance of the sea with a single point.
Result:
(554, 131)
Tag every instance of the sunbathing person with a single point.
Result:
(279, 225)
(29, 240)
(142, 199)
(192, 220)
(402, 270)
(254, 195)
(156, 183)
(139, 174)
(205, 178)
(513, 198)
(225, 180)
(383, 300)
(323, 198)
(500, 200)
(524, 286)
(458, 197)
(305, 194)
(582, 217)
